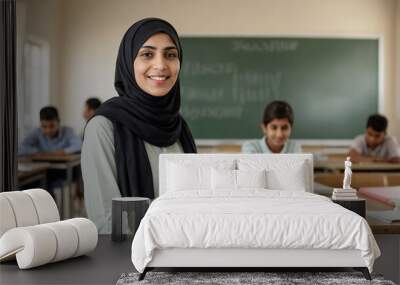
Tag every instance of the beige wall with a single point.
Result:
(397, 74)
(42, 22)
(91, 31)
(38, 23)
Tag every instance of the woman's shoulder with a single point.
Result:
(99, 126)
(98, 123)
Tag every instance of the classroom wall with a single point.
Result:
(42, 22)
(38, 23)
(397, 81)
(91, 31)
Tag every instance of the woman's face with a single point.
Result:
(277, 132)
(156, 66)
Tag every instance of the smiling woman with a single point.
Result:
(122, 142)
(157, 65)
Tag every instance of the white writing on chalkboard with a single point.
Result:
(199, 68)
(256, 87)
(264, 46)
(210, 112)
(203, 95)
(246, 87)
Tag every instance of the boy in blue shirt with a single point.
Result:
(50, 138)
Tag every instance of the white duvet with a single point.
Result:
(253, 218)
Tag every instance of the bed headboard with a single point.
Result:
(288, 160)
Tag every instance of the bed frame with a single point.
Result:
(248, 259)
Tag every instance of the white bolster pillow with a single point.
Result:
(40, 244)
(33, 246)
(66, 238)
(45, 206)
(26, 208)
(7, 218)
(23, 208)
(87, 235)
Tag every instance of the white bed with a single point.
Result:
(240, 210)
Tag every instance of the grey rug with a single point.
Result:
(229, 278)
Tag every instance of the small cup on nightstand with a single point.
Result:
(135, 208)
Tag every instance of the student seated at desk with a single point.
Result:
(375, 145)
(277, 126)
(50, 138)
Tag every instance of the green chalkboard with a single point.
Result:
(332, 84)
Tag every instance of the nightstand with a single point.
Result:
(356, 205)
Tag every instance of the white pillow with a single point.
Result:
(183, 178)
(295, 180)
(193, 174)
(223, 179)
(282, 174)
(236, 179)
(251, 178)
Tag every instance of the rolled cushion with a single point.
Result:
(46, 208)
(33, 246)
(23, 208)
(7, 218)
(37, 245)
(87, 234)
(66, 238)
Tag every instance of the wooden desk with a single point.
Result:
(63, 162)
(57, 158)
(358, 179)
(29, 173)
(338, 166)
(219, 149)
(378, 226)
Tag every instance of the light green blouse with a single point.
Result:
(99, 170)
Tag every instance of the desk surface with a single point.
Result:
(378, 226)
(27, 169)
(361, 166)
(58, 158)
(102, 266)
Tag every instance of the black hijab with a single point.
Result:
(138, 116)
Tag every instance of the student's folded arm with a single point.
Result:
(99, 172)
(355, 156)
(30, 145)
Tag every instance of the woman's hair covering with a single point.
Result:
(138, 116)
